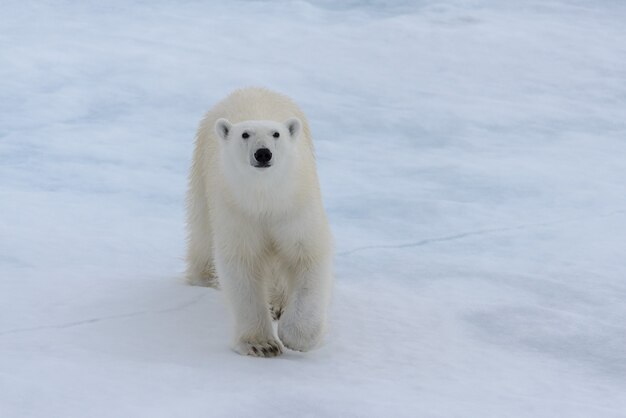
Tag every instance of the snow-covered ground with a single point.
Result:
(472, 155)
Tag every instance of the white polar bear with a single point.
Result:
(256, 220)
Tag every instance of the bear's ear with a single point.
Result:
(294, 126)
(222, 128)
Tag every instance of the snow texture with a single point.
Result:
(472, 155)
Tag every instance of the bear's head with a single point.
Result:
(258, 145)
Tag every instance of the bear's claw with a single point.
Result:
(270, 348)
(276, 312)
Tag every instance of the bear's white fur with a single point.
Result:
(261, 230)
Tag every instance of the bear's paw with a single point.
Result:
(269, 348)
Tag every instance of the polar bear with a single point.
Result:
(256, 221)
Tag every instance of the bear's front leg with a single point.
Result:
(245, 292)
(302, 325)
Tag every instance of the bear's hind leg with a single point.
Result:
(202, 276)
(200, 266)
(278, 290)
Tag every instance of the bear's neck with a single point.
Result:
(268, 196)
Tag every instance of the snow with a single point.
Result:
(471, 155)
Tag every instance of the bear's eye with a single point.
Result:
(245, 135)
(276, 135)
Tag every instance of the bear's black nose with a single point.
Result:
(263, 155)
